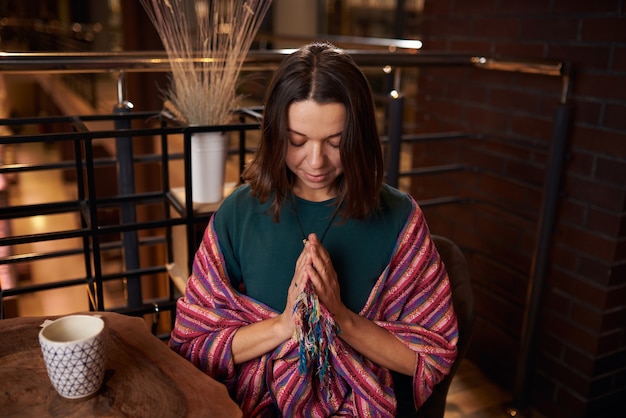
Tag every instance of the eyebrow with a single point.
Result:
(328, 137)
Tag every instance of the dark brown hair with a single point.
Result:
(325, 74)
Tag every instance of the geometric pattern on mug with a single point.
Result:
(76, 371)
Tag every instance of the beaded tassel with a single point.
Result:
(315, 330)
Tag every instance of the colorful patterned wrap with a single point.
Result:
(411, 299)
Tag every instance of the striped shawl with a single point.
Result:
(411, 299)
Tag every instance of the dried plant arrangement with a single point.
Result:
(206, 42)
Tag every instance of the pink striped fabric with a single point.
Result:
(411, 300)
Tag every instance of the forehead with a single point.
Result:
(316, 120)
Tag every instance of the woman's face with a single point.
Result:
(314, 135)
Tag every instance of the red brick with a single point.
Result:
(604, 222)
(487, 120)
(532, 127)
(509, 191)
(585, 317)
(617, 275)
(615, 117)
(604, 29)
(523, 7)
(513, 256)
(450, 26)
(488, 78)
(610, 342)
(563, 373)
(588, 56)
(616, 298)
(614, 320)
(525, 171)
(438, 7)
(599, 140)
(608, 86)
(494, 348)
(587, 112)
(610, 362)
(569, 403)
(572, 212)
(619, 61)
(584, 363)
(585, 7)
(620, 252)
(587, 242)
(451, 110)
(593, 192)
(542, 393)
(595, 271)
(472, 46)
(557, 302)
(581, 290)
(569, 333)
(564, 257)
(503, 313)
(496, 28)
(550, 29)
(517, 148)
(581, 163)
(480, 157)
(475, 7)
(507, 98)
(524, 49)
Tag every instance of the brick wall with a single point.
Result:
(579, 356)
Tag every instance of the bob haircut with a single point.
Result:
(325, 74)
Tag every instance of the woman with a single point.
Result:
(316, 245)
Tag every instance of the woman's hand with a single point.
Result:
(360, 333)
(300, 277)
(256, 339)
(319, 268)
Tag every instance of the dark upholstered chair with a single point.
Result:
(463, 301)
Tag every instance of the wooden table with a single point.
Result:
(144, 378)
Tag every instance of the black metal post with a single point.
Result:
(396, 109)
(551, 192)
(126, 186)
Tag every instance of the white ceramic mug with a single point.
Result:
(73, 349)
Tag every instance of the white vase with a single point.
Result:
(208, 162)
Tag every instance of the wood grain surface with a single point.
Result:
(144, 378)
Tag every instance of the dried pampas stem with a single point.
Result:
(173, 110)
(206, 42)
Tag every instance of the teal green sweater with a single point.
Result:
(262, 253)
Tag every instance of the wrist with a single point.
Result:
(345, 320)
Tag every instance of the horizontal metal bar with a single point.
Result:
(147, 308)
(439, 169)
(21, 211)
(21, 290)
(158, 61)
(429, 137)
(45, 236)
(106, 246)
(441, 201)
(521, 66)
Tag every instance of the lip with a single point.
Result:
(316, 178)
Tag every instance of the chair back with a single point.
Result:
(463, 302)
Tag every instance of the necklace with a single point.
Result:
(295, 211)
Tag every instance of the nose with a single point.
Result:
(316, 155)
